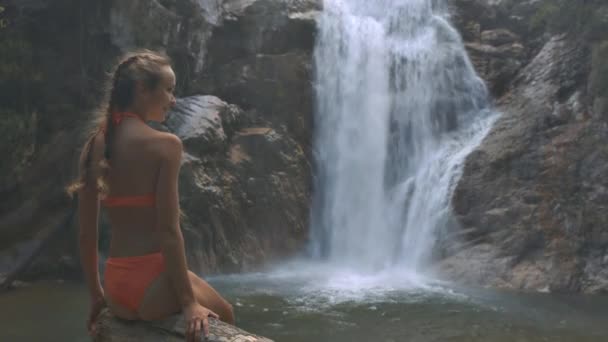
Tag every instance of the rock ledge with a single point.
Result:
(112, 329)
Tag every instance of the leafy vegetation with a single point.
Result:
(588, 20)
(17, 143)
(589, 17)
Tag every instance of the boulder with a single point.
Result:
(243, 189)
(498, 37)
(261, 58)
(199, 122)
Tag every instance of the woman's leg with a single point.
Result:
(119, 310)
(209, 298)
(160, 299)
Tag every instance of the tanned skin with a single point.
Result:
(145, 160)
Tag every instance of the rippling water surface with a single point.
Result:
(313, 305)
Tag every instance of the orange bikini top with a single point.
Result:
(148, 200)
(130, 201)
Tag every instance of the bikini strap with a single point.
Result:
(117, 117)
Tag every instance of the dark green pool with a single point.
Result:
(307, 306)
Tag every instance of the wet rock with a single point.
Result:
(262, 58)
(264, 26)
(497, 58)
(199, 121)
(244, 189)
(180, 28)
(276, 85)
(498, 37)
(172, 329)
(539, 228)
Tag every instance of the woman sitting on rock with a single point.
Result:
(132, 170)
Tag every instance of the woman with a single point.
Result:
(132, 170)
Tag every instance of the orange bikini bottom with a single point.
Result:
(127, 278)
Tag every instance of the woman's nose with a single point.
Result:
(173, 101)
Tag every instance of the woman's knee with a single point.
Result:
(229, 315)
(224, 309)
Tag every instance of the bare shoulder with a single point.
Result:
(168, 145)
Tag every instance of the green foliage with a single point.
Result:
(21, 75)
(17, 143)
(546, 13)
(17, 60)
(589, 17)
(586, 20)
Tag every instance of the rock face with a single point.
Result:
(262, 59)
(492, 32)
(245, 181)
(243, 188)
(531, 201)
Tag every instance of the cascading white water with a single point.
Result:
(399, 107)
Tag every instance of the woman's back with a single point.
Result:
(134, 171)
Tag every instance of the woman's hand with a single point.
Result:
(97, 304)
(195, 316)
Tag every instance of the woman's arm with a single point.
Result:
(167, 202)
(88, 215)
(172, 240)
(88, 212)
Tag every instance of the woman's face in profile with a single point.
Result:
(160, 99)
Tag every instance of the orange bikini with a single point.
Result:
(132, 201)
(127, 278)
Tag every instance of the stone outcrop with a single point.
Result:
(493, 38)
(262, 59)
(530, 202)
(243, 187)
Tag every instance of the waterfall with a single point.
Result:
(398, 109)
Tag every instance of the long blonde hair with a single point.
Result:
(139, 66)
